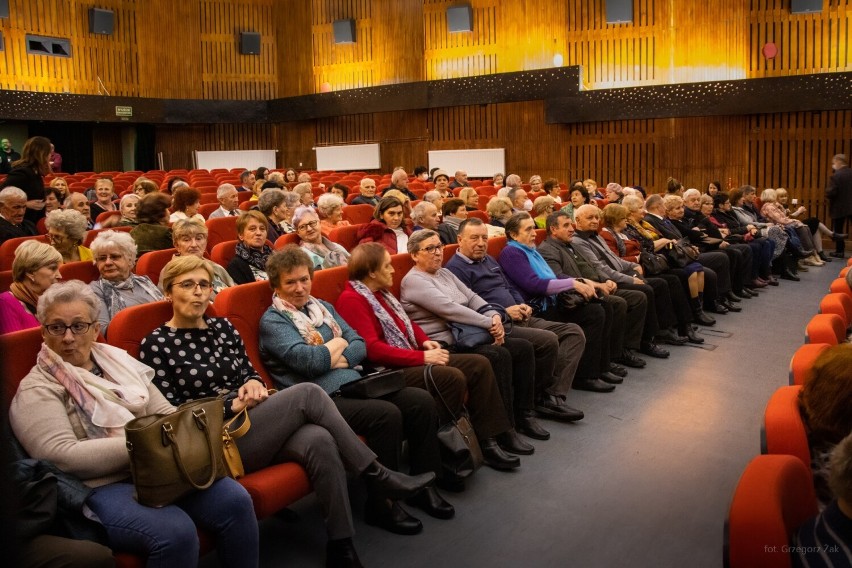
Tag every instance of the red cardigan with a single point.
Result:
(377, 232)
(355, 309)
(632, 248)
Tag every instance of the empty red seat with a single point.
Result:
(328, 283)
(826, 328)
(803, 361)
(401, 263)
(346, 236)
(219, 230)
(449, 251)
(288, 239)
(495, 245)
(837, 303)
(783, 430)
(839, 286)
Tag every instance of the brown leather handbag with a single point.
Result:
(230, 451)
(172, 455)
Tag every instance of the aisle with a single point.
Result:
(645, 479)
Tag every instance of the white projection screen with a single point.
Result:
(348, 158)
(477, 163)
(248, 159)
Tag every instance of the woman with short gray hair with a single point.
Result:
(330, 209)
(323, 252)
(66, 229)
(118, 288)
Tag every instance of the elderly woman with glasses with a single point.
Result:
(71, 410)
(322, 252)
(34, 270)
(252, 251)
(387, 227)
(434, 298)
(66, 229)
(499, 210)
(118, 287)
(330, 209)
(191, 240)
(303, 339)
(299, 423)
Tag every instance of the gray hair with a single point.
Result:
(65, 293)
(270, 199)
(300, 213)
(69, 221)
(768, 195)
(276, 177)
(224, 189)
(512, 194)
(513, 225)
(32, 255)
(398, 175)
(120, 240)
(654, 200)
(582, 209)
(328, 202)
(12, 192)
(418, 237)
(363, 180)
(420, 210)
(291, 199)
(304, 187)
(689, 193)
(431, 195)
(633, 202)
(512, 180)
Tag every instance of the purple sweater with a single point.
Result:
(517, 269)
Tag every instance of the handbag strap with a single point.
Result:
(240, 431)
(200, 417)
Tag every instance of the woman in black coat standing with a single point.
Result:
(28, 174)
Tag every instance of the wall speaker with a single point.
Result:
(805, 6)
(249, 43)
(460, 18)
(101, 21)
(619, 11)
(344, 31)
(4, 8)
(2, 44)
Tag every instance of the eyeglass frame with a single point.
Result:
(65, 329)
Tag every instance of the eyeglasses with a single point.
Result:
(432, 249)
(77, 328)
(188, 285)
(112, 257)
(189, 238)
(306, 226)
(56, 238)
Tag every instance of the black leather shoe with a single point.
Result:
(384, 482)
(788, 275)
(341, 553)
(838, 255)
(512, 443)
(692, 337)
(773, 281)
(529, 426)
(553, 406)
(719, 308)
(733, 297)
(611, 379)
(592, 385)
(628, 359)
(731, 307)
(751, 292)
(702, 318)
(496, 458)
(653, 350)
(823, 257)
(390, 515)
(617, 370)
(431, 502)
(669, 337)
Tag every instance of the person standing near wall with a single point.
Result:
(839, 194)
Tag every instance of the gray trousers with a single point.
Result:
(302, 424)
(569, 344)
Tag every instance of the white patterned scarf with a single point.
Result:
(307, 323)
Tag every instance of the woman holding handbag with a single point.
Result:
(298, 424)
(393, 340)
(71, 410)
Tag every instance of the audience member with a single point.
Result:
(340, 190)
(368, 193)
(453, 213)
(542, 207)
(55, 160)
(816, 227)
(60, 184)
(28, 173)
(52, 199)
(741, 206)
(128, 206)
(291, 176)
(442, 184)
(330, 211)
(305, 193)
(103, 198)
(13, 207)
(552, 188)
(434, 197)
(387, 227)
(143, 186)
(424, 215)
(839, 195)
(775, 213)
(8, 156)
(713, 188)
(185, 203)
(274, 204)
(152, 230)
(66, 230)
(470, 198)
(459, 180)
(252, 250)
(190, 239)
(499, 210)
(174, 183)
(399, 182)
(78, 202)
(497, 180)
(247, 180)
(34, 270)
(323, 252)
(229, 201)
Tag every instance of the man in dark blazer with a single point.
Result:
(13, 205)
(839, 194)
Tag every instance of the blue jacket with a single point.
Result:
(486, 278)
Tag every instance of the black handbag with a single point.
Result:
(374, 383)
(652, 263)
(571, 299)
(468, 336)
(460, 451)
(680, 253)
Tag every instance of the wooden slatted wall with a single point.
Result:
(178, 142)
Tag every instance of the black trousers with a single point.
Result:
(679, 296)
(409, 413)
(596, 321)
(839, 226)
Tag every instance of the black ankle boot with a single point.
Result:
(383, 482)
(340, 553)
(390, 516)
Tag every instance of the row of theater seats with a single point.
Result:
(273, 488)
(775, 494)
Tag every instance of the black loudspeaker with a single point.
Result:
(101, 21)
(2, 44)
(805, 6)
(249, 43)
(344, 31)
(4, 8)
(619, 11)
(460, 18)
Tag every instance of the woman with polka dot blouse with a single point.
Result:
(194, 356)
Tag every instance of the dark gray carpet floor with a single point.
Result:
(644, 480)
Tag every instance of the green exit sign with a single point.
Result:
(123, 111)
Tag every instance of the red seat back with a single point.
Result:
(288, 239)
(223, 253)
(783, 429)
(347, 236)
(495, 245)
(826, 328)
(773, 498)
(803, 361)
(481, 215)
(84, 270)
(207, 208)
(839, 286)
(837, 303)
(402, 263)
(449, 251)
(131, 325)
(106, 215)
(151, 263)
(244, 305)
(7, 249)
(91, 235)
(328, 283)
(220, 230)
(357, 214)
(18, 351)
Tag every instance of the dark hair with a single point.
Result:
(470, 222)
(183, 197)
(451, 206)
(366, 258)
(55, 191)
(717, 184)
(341, 187)
(153, 207)
(673, 186)
(583, 191)
(260, 173)
(736, 195)
(720, 198)
(286, 260)
(269, 185)
(550, 184)
(747, 189)
(513, 225)
(577, 183)
(640, 189)
(245, 175)
(172, 182)
(419, 170)
(383, 205)
(432, 171)
(295, 175)
(553, 220)
(35, 154)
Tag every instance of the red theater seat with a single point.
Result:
(783, 430)
(151, 263)
(803, 361)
